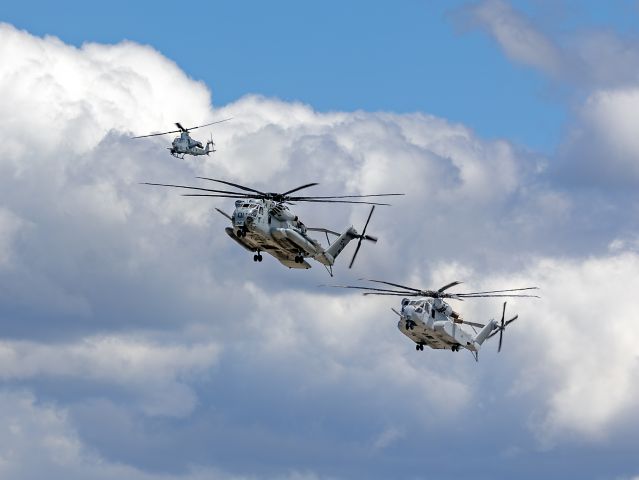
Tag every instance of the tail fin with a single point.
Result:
(336, 248)
(485, 332)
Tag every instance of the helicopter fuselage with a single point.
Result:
(269, 226)
(185, 145)
(433, 322)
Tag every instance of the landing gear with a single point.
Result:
(299, 259)
(455, 348)
(419, 347)
(241, 233)
(258, 257)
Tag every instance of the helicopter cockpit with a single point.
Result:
(246, 212)
(418, 306)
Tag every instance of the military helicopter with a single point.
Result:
(184, 144)
(429, 320)
(262, 222)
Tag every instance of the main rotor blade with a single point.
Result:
(446, 287)
(236, 185)
(193, 188)
(352, 196)
(238, 197)
(398, 294)
(474, 324)
(393, 284)
(207, 124)
(156, 134)
(465, 295)
(367, 288)
(325, 230)
(179, 125)
(507, 290)
(335, 201)
(299, 188)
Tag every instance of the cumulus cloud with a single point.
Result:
(602, 146)
(159, 345)
(38, 441)
(583, 342)
(591, 58)
(152, 374)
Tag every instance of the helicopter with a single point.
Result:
(184, 144)
(427, 319)
(263, 222)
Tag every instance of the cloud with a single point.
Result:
(38, 441)
(582, 338)
(519, 38)
(162, 351)
(152, 374)
(602, 147)
(594, 58)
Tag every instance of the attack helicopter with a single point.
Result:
(184, 144)
(263, 222)
(427, 319)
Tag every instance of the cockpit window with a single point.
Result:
(405, 302)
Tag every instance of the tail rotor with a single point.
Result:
(502, 327)
(211, 143)
(363, 236)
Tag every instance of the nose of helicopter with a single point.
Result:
(408, 311)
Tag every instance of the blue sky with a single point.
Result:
(409, 56)
(137, 341)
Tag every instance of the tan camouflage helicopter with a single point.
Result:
(263, 222)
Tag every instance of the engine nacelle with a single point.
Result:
(282, 213)
(442, 307)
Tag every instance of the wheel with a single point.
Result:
(259, 257)
(417, 347)
(255, 258)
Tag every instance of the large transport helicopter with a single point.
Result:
(427, 319)
(184, 144)
(262, 222)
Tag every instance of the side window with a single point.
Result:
(261, 210)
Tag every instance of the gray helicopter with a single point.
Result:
(184, 144)
(262, 222)
(426, 319)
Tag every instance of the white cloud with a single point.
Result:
(38, 441)
(593, 57)
(603, 147)
(104, 271)
(519, 38)
(578, 346)
(154, 374)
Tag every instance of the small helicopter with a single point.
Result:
(429, 320)
(184, 144)
(262, 222)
